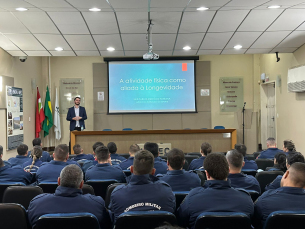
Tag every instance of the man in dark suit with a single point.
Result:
(77, 116)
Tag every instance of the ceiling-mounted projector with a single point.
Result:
(150, 55)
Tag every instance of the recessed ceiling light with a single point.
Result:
(59, 49)
(110, 49)
(95, 9)
(238, 46)
(186, 47)
(273, 7)
(21, 9)
(202, 8)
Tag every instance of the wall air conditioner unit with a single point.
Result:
(296, 79)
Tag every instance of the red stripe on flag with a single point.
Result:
(184, 67)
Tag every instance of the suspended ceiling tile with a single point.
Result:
(135, 53)
(244, 39)
(89, 4)
(87, 53)
(301, 6)
(169, 3)
(37, 53)
(207, 3)
(258, 51)
(165, 22)
(193, 40)
(101, 22)
(51, 41)
(155, 9)
(233, 51)
(105, 41)
(209, 52)
(194, 22)
(270, 39)
(62, 53)
(37, 22)
(226, 8)
(215, 40)
(48, 3)
(69, 22)
(113, 53)
(81, 42)
(226, 21)
(283, 2)
(211, 9)
(259, 20)
(6, 44)
(30, 9)
(295, 39)
(133, 22)
(302, 27)
(25, 41)
(284, 50)
(62, 9)
(16, 53)
(14, 3)
(246, 3)
(185, 52)
(129, 4)
(10, 24)
(289, 20)
(164, 52)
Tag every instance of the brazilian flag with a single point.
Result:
(48, 121)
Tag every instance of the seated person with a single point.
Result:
(104, 170)
(279, 163)
(289, 197)
(159, 164)
(115, 158)
(15, 174)
(89, 163)
(217, 195)
(289, 147)
(291, 158)
(271, 151)
(22, 151)
(126, 164)
(249, 164)
(32, 166)
(176, 176)
(80, 154)
(68, 198)
(45, 155)
(142, 194)
(237, 178)
(205, 149)
(49, 171)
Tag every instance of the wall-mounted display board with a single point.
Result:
(231, 94)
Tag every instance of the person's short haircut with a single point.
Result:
(102, 153)
(71, 176)
(143, 162)
(61, 152)
(36, 142)
(297, 174)
(289, 145)
(77, 97)
(97, 144)
(235, 158)
(22, 149)
(217, 166)
(295, 157)
(241, 148)
(271, 141)
(134, 148)
(77, 149)
(112, 147)
(152, 147)
(175, 158)
(206, 148)
(280, 159)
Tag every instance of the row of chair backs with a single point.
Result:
(3, 186)
(100, 186)
(264, 163)
(266, 177)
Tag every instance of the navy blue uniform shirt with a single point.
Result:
(125, 165)
(250, 164)
(197, 163)
(142, 194)
(215, 196)
(36, 166)
(180, 180)
(247, 182)
(284, 198)
(116, 159)
(45, 157)
(68, 200)
(269, 153)
(14, 174)
(18, 160)
(87, 164)
(160, 165)
(83, 156)
(276, 183)
(104, 172)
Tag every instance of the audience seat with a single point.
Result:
(48, 187)
(88, 189)
(251, 172)
(186, 165)
(254, 195)
(21, 194)
(127, 173)
(201, 175)
(144, 219)
(189, 158)
(256, 154)
(264, 163)
(127, 129)
(100, 186)
(219, 127)
(285, 219)
(107, 129)
(110, 188)
(3, 186)
(266, 177)
(67, 220)
(13, 216)
(81, 162)
(195, 154)
(250, 157)
(180, 197)
(221, 220)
